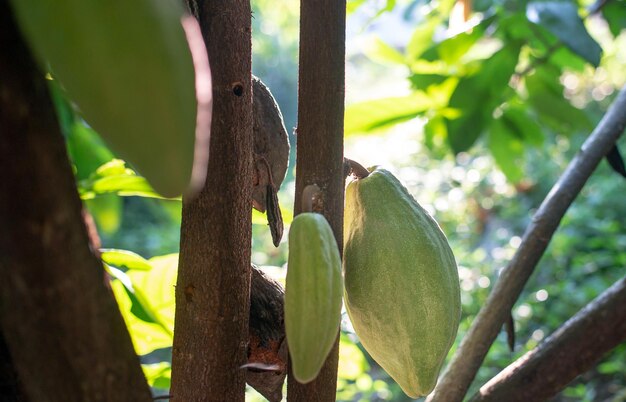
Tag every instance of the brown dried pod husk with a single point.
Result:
(271, 144)
(267, 350)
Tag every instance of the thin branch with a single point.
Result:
(470, 354)
(319, 148)
(213, 285)
(571, 350)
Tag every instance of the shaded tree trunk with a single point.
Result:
(319, 158)
(61, 324)
(212, 291)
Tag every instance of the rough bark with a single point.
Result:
(470, 354)
(571, 350)
(61, 324)
(212, 291)
(320, 143)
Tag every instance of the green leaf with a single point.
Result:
(159, 283)
(507, 149)
(422, 81)
(516, 26)
(614, 12)
(112, 168)
(115, 178)
(381, 52)
(452, 49)
(64, 110)
(353, 5)
(476, 97)
(611, 367)
(153, 293)
(545, 95)
(124, 259)
(435, 134)
(562, 19)
(381, 113)
(146, 336)
(522, 125)
(427, 67)
(128, 67)
(106, 211)
(440, 93)
(540, 41)
(123, 185)
(422, 38)
(140, 307)
(158, 375)
(87, 150)
(564, 58)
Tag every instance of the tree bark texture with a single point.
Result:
(470, 354)
(573, 349)
(213, 286)
(319, 139)
(61, 324)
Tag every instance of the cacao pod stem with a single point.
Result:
(274, 216)
(357, 169)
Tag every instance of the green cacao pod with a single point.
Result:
(313, 292)
(401, 282)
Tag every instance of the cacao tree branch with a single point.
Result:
(320, 144)
(470, 354)
(573, 349)
(213, 285)
(62, 327)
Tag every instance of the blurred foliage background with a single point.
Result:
(477, 108)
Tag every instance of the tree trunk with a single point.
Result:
(61, 324)
(212, 291)
(319, 158)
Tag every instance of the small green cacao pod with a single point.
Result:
(401, 281)
(313, 292)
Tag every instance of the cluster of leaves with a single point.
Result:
(495, 77)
